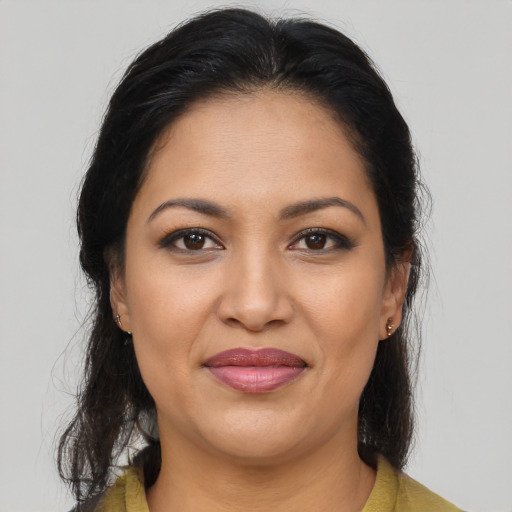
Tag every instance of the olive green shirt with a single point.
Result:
(393, 492)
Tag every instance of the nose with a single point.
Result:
(255, 294)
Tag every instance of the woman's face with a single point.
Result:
(256, 228)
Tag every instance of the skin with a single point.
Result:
(257, 282)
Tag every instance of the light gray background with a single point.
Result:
(449, 65)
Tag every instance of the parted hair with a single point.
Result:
(217, 52)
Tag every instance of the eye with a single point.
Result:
(320, 239)
(316, 241)
(190, 240)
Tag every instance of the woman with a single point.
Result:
(248, 223)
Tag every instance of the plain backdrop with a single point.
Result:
(449, 64)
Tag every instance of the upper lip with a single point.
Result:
(255, 357)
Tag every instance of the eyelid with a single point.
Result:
(170, 238)
(342, 241)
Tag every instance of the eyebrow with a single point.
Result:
(198, 205)
(313, 205)
(292, 211)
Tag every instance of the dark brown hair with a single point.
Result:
(232, 50)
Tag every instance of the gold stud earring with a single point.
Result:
(389, 327)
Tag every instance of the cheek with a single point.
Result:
(344, 304)
(342, 311)
(168, 307)
(169, 302)
(166, 322)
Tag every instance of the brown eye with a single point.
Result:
(315, 241)
(321, 240)
(190, 240)
(194, 241)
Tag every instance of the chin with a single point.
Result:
(253, 453)
(257, 438)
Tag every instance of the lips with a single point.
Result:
(255, 371)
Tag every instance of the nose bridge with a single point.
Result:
(255, 293)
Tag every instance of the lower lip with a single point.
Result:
(256, 379)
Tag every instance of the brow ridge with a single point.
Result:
(198, 205)
(291, 211)
(312, 205)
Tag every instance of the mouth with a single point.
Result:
(255, 371)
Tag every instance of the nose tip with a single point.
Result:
(255, 301)
(254, 317)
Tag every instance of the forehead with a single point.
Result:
(282, 118)
(266, 145)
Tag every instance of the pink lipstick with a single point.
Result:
(255, 371)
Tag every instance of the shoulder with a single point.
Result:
(127, 494)
(394, 491)
(414, 496)
(88, 506)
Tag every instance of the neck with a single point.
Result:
(332, 479)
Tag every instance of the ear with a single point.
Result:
(118, 300)
(393, 300)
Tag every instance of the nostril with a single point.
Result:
(253, 321)
(254, 297)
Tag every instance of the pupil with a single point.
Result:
(194, 241)
(315, 241)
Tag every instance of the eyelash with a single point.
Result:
(341, 242)
(172, 238)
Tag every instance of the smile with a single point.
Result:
(255, 371)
